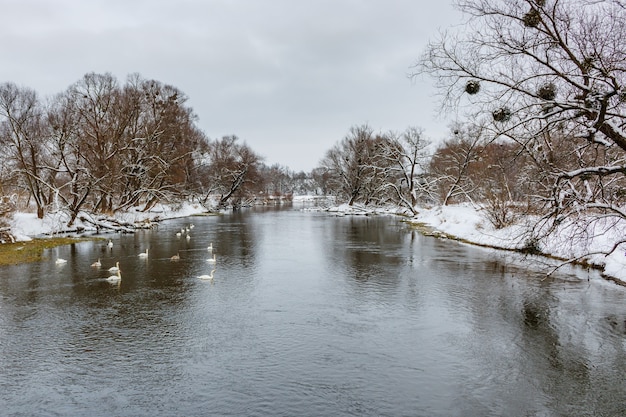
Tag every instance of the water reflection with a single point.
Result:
(368, 252)
(308, 315)
(553, 339)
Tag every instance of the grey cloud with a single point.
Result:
(288, 77)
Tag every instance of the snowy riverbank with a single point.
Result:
(463, 222)
(468, 224)
(25, 226)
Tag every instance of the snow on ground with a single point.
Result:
(356, 209)
(161, 211)
(308, 198)
(467, 223)
(25, 226)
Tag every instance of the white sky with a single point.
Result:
(289, 77)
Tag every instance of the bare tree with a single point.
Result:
(101, 146)
(21, 133)
(302, 183)
(543, 71)
(113, 147)
(450, 164)
(321, 179)
(277, 180)
(233, 172)
(162, 138)
(351, 165)
(95, 100)
(408, 154)
(376, 168)
(73, 180)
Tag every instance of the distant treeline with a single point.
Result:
(103, 146)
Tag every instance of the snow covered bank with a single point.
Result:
(25, 226)
(579, 242)
(467, 223)
(359, 209)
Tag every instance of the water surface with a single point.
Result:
(308, 315)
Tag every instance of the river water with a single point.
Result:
(307, 315)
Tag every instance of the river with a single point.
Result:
(307, 315)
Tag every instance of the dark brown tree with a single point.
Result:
(351, 165)
(232, 172)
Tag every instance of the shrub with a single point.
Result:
(499, 213)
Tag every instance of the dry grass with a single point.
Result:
(32, 251)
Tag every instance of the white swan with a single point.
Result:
(144, 254)
(211, 260)
(97, 264)
(175, 257)
(207, 277)
(188, 238)
(115, 268)
(178, 234)
(110, 244)
(191, 226)
(60, 261)
(115, 278)
(210, 248)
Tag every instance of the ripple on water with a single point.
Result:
(308, 315)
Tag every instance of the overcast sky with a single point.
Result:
(288, 77)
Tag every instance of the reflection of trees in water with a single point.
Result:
(367, 247)
(560, 365)
(577, 360)
(236, 238)
(533, 316)
(560, 368)
(555, 338)
(498, 298)
(616, 323)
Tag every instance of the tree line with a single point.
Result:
(103, 146)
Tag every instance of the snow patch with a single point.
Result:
(467, 223)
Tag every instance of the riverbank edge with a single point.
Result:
(31, 242)
(414, 221)
(427, 230)
(468, 219)
(32, 250)
(28, 251)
